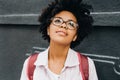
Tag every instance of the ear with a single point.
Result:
(75, 38)
(48, 31)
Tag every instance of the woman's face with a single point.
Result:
(63, 28)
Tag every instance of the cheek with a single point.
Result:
(73, 34)
(51, 30)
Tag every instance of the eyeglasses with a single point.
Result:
(70, 24)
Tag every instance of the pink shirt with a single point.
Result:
(69, 72)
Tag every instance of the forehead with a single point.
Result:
(66, 15)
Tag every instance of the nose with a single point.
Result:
(64, 26)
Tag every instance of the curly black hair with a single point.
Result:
(79, 9)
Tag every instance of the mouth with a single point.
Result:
(62, 33)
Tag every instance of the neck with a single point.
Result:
(57, 51)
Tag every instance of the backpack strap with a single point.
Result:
(82, 59)
(31, 66)
(84, 66)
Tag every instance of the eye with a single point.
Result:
(71, 24)
(57, 21)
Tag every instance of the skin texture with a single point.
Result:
(60, 40)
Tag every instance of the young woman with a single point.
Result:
(64, 23)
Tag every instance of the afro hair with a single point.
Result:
(79, 9)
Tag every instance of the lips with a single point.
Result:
(62, 33)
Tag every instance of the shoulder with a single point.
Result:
(38, 54)
(91, 62)
(92, 70)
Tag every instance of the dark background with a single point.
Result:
(19, 34)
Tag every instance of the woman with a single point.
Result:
(64, 23)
